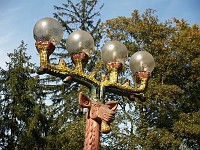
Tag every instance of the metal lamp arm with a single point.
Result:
(45, 49)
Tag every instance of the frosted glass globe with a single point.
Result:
(80, 41)
(48, 29)
(114, 51)
(142, 61)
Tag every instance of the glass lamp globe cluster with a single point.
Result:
(49, 29)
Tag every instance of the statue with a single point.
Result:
(97, 114)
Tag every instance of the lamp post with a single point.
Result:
(80, 44)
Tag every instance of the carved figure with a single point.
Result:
(98, 113)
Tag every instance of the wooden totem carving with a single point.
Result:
(99, 115)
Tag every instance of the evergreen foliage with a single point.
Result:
(81, 15)
(21, 119)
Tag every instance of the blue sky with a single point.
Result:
(18, 17)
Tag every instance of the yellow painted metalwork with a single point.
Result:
(62, 70)
(105, 128)
(45, 49)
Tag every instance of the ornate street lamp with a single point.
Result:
(80, 44)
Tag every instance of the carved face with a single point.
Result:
(98, 110)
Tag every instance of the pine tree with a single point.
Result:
(169, 119)
(21, 97)
(80, 16)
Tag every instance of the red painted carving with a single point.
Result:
(97, 112)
